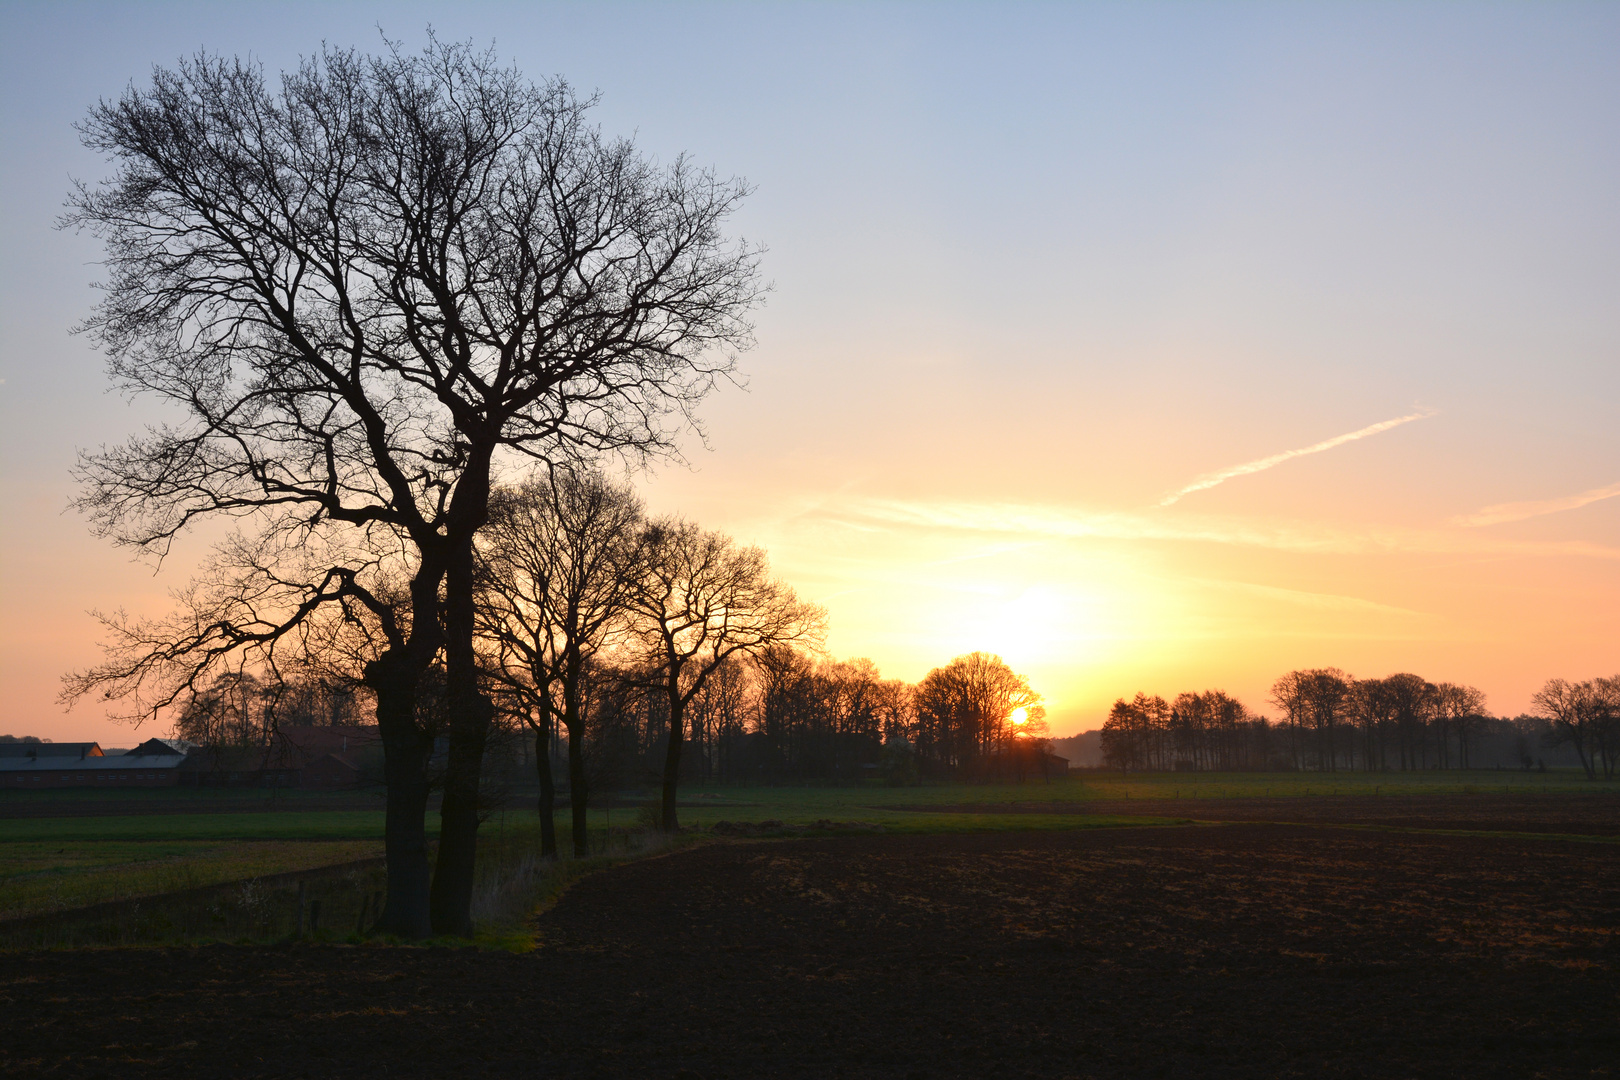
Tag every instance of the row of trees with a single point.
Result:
(1212, 730)
(569, 569)
(788, 714)
(633, 636)
(1331, 720)
(641, 648)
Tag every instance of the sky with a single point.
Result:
(1152, 347)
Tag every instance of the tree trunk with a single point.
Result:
(451, 896)
(1578, 737)
(548, 789)
(471, 713)
(406, 753)
(579, 793)
(672, 761)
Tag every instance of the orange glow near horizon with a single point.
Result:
(1173, 353)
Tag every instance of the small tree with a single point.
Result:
(557, 565)
(1606, 700)
(1576, 711)
(699, 599)
(1461, 709)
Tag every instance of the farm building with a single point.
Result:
(1022, 761)
(155, 763)
(326, 758)
(33, 748)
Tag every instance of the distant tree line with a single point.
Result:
(631, 650)
(651, 647)
(1331, 721)
(789, 715)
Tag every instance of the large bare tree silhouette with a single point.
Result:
(365, 287)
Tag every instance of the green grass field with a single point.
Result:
(279, 825)
(38, 878)
(59, 863)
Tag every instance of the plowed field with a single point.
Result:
(1206, 951)
(1582, 815)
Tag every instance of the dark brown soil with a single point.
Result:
(1580, 815)
(1247, 950)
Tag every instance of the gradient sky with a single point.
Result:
(1077, 309)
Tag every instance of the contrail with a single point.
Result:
(1209, 480)
(1495, 515)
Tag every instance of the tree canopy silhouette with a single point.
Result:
(365, 287)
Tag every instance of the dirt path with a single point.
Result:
(1238, 950)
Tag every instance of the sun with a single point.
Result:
(1019, 717)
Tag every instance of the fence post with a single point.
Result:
(314, 917)
(300, 933)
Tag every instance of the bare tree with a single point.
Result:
(558, 560)
(1575, 711)
(965, 709)
(1131, 734)
(1315, 699)
(700, 599)
(1371, 707)
(258, 607)
(359, 288)
(1461, 708)
(1606, 722)
(1414, 703)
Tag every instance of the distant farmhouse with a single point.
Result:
(323, 758)
(154, 763)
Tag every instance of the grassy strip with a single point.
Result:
(504, 910)
(41, 878)
(271, 825)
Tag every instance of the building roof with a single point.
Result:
(120, 763)
(12, 750)
(164, 746)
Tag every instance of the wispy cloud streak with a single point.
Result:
(1496, 515)
(1030, 521)
(1209, 480)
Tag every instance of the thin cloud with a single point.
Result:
(1321, 601)
(1495, 515)
(1029, 521)
(1209, 480)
